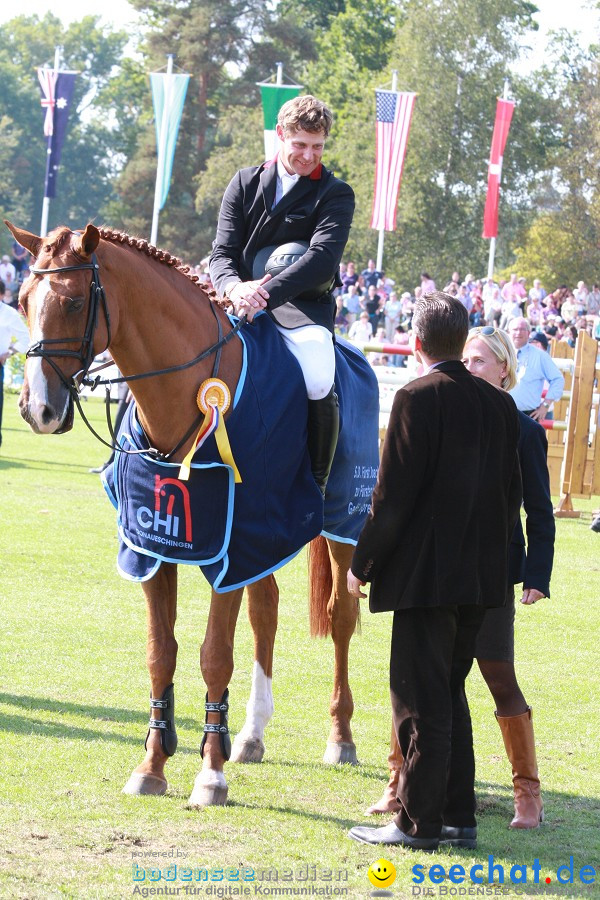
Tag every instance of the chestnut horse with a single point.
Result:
(154, 316)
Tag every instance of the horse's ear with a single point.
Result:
(85, 244)
(30, 241)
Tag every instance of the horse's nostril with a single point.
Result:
(47, 415)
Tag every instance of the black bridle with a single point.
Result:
(46, 350)
(85, 353)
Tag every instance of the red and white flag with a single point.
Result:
(47, 78)
(504, 111)
(394, 112)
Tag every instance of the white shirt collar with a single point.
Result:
(283, 173)
(285, 182)
(434, 365)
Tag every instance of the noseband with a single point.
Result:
(85, 354)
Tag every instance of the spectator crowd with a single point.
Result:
(370, 306)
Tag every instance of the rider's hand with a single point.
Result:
(249, 297)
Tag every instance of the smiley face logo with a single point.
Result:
(382, 873)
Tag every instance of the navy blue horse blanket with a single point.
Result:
(238, 533)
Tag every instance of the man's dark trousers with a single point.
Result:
(431, 656)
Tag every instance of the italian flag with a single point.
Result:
(273, 97)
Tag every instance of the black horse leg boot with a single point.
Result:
(323, 430)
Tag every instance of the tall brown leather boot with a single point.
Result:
(389, 801)
(517, 733)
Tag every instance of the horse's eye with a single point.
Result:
(75, 304)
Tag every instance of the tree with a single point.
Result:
(238, 143)
(455, 56)
(555, 254)
(14, 206)
(563, 243)
(87, 167)
(208, 38)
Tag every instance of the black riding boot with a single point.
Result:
(323, 429)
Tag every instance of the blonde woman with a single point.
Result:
(490, 354)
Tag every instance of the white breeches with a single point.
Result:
(312, 345)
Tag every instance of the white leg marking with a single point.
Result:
(38, 385)
(260, 707)
(208, 777)
(210, 789)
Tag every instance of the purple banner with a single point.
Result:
(63, 94)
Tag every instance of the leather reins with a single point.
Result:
(85, 354)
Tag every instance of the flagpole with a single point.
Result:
(490, 271)
(46, 200)
(379, 262)
(162, 148)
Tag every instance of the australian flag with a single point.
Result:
(57, 94)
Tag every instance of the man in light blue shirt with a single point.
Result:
(534, 367)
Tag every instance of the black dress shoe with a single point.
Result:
(391, 836)
(453, 836)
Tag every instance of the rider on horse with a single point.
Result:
(289, 199)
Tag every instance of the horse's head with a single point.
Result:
(58, 301)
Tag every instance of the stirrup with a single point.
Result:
(166, 726)
(222, 729)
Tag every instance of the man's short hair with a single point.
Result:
(305, 113)
(441, 323)
(519, 321)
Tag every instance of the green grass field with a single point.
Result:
(74, 707)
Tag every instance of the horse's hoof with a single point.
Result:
(247, 750)
(340, 753)
(210, 789)
(145, 784)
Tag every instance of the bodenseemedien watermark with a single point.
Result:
(228, 881)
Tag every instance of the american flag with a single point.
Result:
(47, 78)
(394, 112)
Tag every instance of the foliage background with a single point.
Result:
(456, 54)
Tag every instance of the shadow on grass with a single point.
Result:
(10, 462)
(23, 724)
(559, 808)
(552, 843)
(23, 462)
(106, 713)
(368, 772)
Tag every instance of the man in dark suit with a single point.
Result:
(289, 199)
(435, 549)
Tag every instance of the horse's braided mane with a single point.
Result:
(57, 238)
(121, 237)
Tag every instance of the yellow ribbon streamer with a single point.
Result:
(212, 394)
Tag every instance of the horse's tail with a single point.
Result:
(320, 586)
